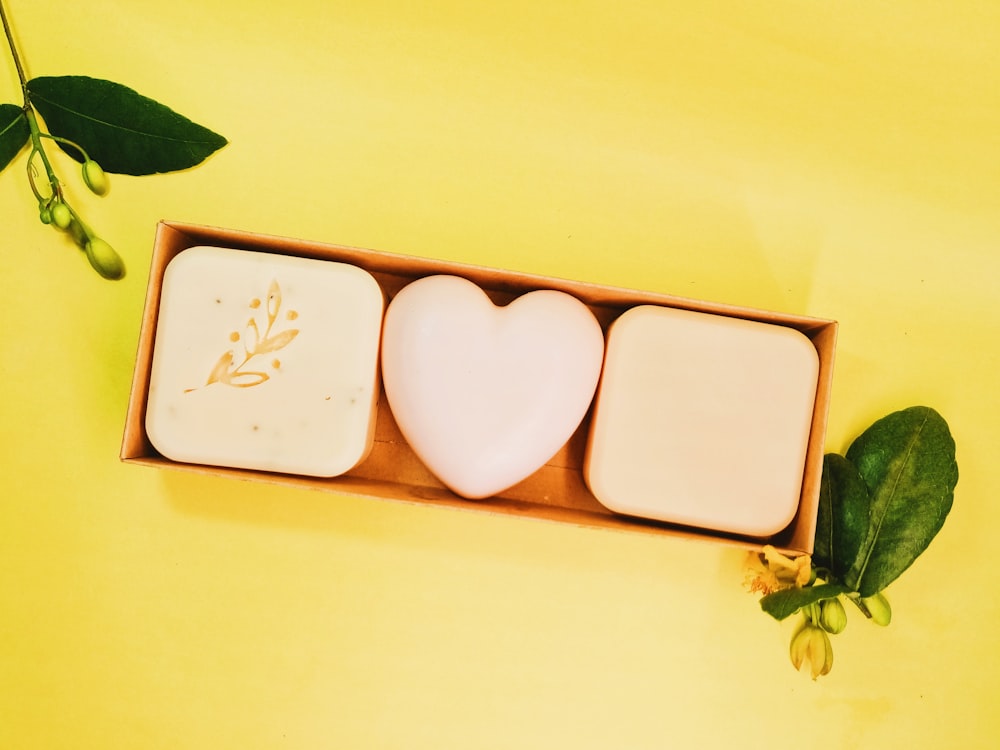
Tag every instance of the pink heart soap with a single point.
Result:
(485, 395)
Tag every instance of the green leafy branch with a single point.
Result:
(880, 506)
(106, 127)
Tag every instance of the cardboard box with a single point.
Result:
(557, 491)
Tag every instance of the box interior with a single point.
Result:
(557, 491)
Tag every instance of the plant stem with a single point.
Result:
(36, 146)
(29, 112)
(856, 598)
(13, 53)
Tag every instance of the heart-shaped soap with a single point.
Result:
(485, 395)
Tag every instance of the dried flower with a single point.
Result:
(770, 571)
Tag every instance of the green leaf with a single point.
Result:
(907, 460)
(122, 130)
(787, 602)
(14, 133)
(844, 511)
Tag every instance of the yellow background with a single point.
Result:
(840, 159)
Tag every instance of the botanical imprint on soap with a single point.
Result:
(258, 339)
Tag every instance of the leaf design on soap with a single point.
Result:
(227, 372)
(251, 338)
(247, 379)
(279, 341)
(220, 373)
(273, 302)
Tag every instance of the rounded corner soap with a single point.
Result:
(265, 361)
(702, 420)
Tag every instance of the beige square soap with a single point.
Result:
(265, 361)
(702, 420)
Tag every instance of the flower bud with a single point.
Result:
(811, 645)
(104, 259)
(61, 215)
(45, 214)
(832, 616)
(78, 233)
(95, 177)
(878, 608)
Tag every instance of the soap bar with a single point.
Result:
(484, 394)
(265, 361)
(702, 420)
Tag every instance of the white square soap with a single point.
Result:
(265, 361)
(702, 420)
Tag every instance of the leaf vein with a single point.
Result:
(884, 510)
(122, 128)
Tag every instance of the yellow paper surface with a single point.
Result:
(839, 159)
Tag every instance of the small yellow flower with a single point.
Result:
(811, 645)
(771, 571)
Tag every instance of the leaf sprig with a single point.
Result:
(881, 504)
(107, 127)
